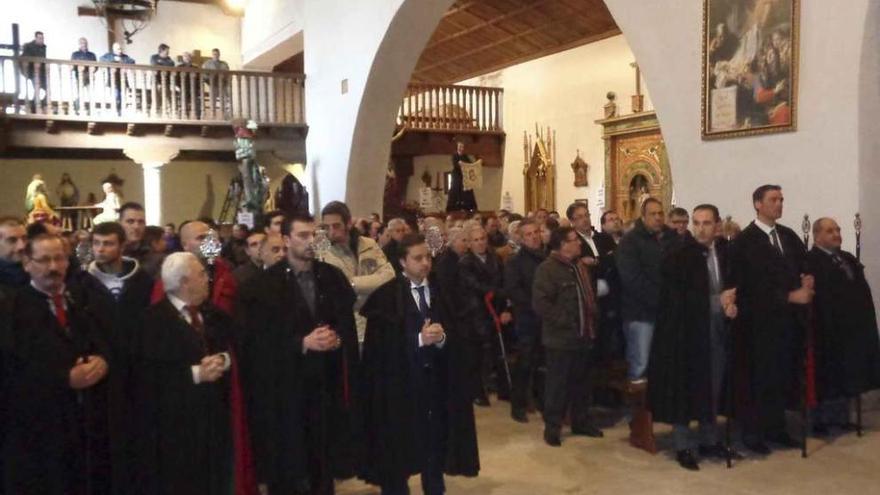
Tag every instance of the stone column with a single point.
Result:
(152, 160)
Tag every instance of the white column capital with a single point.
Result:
(153, 156)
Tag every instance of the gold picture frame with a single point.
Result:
(750, 67)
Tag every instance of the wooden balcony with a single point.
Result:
(452, 108)
(186, 105)
(433, 116)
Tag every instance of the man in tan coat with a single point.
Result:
(360, 258)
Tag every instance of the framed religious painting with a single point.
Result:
(750, 67)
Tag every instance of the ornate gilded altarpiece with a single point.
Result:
(539, 170)
(636, 163)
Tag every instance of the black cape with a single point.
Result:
(392, 448)
(679, 369)
(117, 322)
(49, 425)
(846, 342)
(294, 396)
(185, 439)
(768, 330)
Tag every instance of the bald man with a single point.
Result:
(223, 287)
(845, 340)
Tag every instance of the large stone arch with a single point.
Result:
(396, 58)
(869, 146)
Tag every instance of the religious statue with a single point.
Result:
(40, 210)
(461, 198)
(611, 106)
(67, 191)
(253, 176)
(110, 205)
(581, 170)
(638, 193)
(31, 191)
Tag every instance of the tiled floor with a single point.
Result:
(515, 461)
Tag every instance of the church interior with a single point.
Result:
(605, 102)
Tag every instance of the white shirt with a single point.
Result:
(767, 229)
(180, 306)
(602, 288)
(414, 290)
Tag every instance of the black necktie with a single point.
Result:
(774, 239)
(423, 303)
(843, 265)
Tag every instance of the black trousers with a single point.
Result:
(524, 371)
(567, 385)
(776, 364)
(434, 425)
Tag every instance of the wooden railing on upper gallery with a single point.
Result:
(452, 108)
(97, 91)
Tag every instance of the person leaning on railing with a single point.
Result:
(117, 56)
(82, 54)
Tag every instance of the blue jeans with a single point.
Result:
(638, 336)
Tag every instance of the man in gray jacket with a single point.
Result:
(563, 297)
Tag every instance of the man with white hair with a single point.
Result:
(222, 287)
(184, 388)
(482, 274)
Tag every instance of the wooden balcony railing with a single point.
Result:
(96, 91)
(452, 108)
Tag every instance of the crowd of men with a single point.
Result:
(36, 48)
(316, 350)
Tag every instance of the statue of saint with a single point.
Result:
(41, 210)
(110, 205)
(253, 176)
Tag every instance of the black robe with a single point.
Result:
(393, 448)
(459, 199)
(185, 439)
(295, 399)
(53, 432)
(846, 343)
(769, 330)
(117, 320)
(680, 367)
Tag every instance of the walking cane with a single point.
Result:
(857, 226)
(489, 299)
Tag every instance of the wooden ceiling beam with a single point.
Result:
(461, 8)
(487, 23)
(489, 46)
(532, 56)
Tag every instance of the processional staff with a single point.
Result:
(808, 382)
(857, 226)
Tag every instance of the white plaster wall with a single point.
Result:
(487, 198)
(189, 26)
(817, 165)
(869, 149)
(271, 31)
(183, 26)
(62, 29)
(565, 91)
